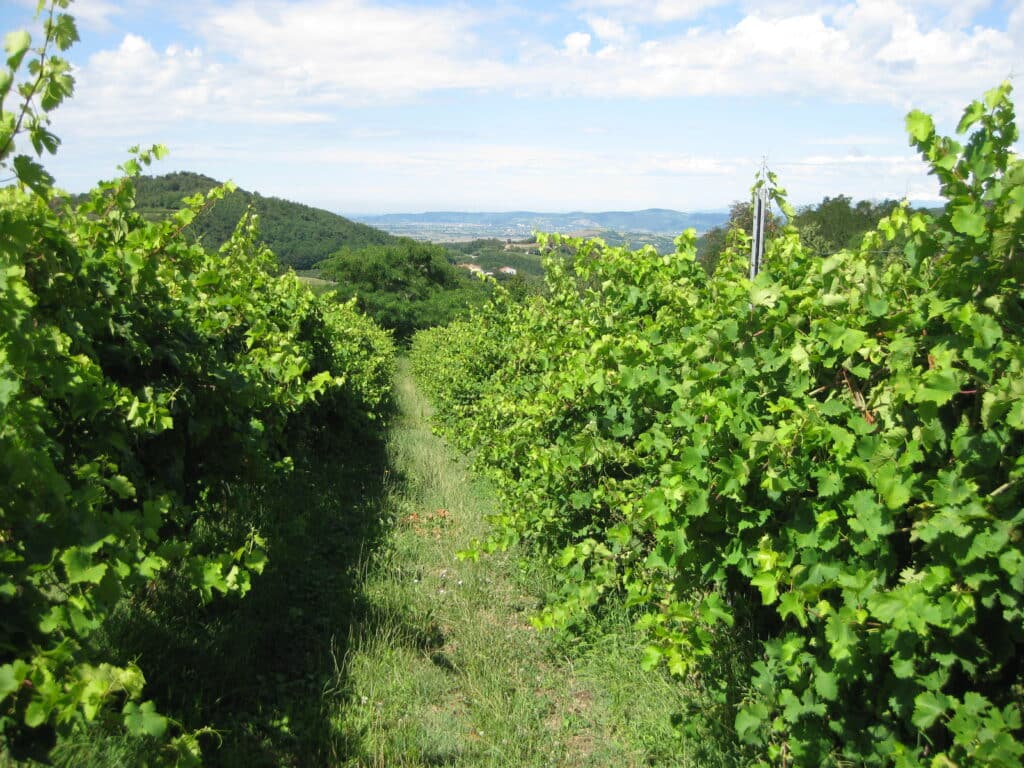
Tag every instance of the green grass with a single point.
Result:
(316, 281)
(317, 285)
(447, 669)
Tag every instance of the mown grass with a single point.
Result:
(312, 279)
(447, 669)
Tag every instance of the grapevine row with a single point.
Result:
(825, 462)
(142, 380)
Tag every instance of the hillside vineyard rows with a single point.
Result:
(812, 479)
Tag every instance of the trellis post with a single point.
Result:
(757, 239)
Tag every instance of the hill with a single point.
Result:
(451, 225)
(299, 234)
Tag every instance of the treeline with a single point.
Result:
(830, 226)
(810, 483)
(404, 285)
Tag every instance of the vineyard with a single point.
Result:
(803, 491)
(818, 471)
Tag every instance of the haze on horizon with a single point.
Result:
(366, 106)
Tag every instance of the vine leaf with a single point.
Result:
(144, 720)
(969, 219)
(920, 126)
(929, 707)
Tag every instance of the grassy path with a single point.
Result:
(444, 667)
(366, 643)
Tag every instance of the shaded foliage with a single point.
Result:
(146, 385)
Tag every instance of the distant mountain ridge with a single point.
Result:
(298, 234)
(650, 220)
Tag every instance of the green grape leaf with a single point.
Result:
(80, 567)
(920, 126)
(121, 485)
(656, 506)
(768, 583)
(749, 720)
(974, 112)
(825, 684)
(939, 386)
(929, 707)
(11, 677)
(969, 219)
(144, 720)
(32, 175)
(840, 636)
(65, 31)
(36, 713)
(895, 489)
(16, 44)
(651, 657)
(714, 609)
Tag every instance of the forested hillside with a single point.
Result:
(405, 286)
(298, 234)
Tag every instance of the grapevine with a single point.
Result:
(141, 378)
(827, 459)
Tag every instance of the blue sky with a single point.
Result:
(366, 106)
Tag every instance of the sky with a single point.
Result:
(374, 106)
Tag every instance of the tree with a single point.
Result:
(840, 224)
(405, 287)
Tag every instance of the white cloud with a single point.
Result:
(134, 90)
(294, 62)
(254, 64)
(676, 10)
(509, 175)
(607, 30)
(952, 14)
(869, 52)
(1016, 20)
(644, 11)
(864, 176)
(96, 14)
(851, 140)
(352, 50)
(577, 43)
